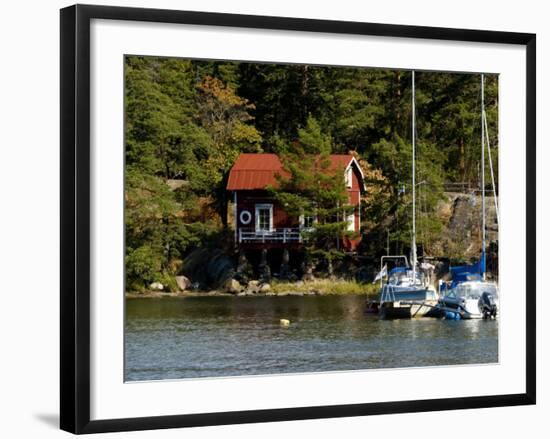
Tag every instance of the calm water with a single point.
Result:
(229, 336)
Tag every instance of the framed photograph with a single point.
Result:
(268, 219)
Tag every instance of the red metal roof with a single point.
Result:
(257, 171)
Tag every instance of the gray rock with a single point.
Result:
(210, 268)
(157, 286)
(253, 287)
(264, 288)
(232, 286)
(183, 283)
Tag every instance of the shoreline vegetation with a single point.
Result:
(318, 287)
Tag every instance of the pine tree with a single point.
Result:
(312, 187)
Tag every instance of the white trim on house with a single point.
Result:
(257, 207)
(235, 218)
(359, 216)
(351, 162)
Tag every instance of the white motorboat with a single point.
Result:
(473, 299)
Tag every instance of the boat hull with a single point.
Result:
(469, 310)
(471, 300)
(409, 309)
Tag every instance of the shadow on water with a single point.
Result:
(228, 336)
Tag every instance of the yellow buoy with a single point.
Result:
(284, 322)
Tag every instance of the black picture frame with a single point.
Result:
(75, 217)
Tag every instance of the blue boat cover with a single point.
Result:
(398, 270)
(463, 273)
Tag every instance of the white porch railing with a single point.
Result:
(283, 235)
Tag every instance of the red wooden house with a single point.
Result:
(261, 222)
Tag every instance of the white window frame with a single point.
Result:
(303, 222)
(349, 177)
(257, 207)
(350, 219)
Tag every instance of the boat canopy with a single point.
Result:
(474, 290)
(398, 270)
(464, 273)
(404, 275)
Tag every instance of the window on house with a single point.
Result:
(264, 217)
(349, 178)
(307, 221)
(351, 221)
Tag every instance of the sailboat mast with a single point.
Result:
(413, 247)
(482, 177)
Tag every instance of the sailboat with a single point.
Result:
(470, 295)
(407, 292)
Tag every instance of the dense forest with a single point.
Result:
(186, 122)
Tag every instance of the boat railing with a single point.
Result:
(386, 258)
(388, 294)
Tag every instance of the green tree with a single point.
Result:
(225, 117)
(313, 187)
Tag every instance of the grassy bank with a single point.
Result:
(325, 287)
(319, 287)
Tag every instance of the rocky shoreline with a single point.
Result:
(215, 293)
(258, 288)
